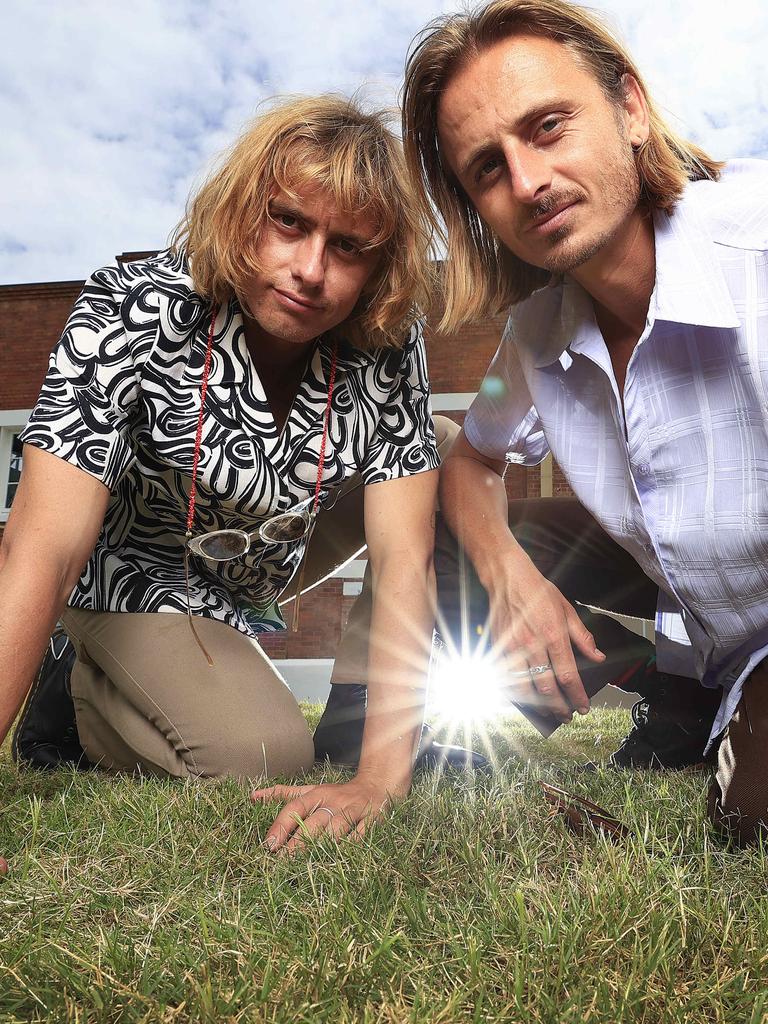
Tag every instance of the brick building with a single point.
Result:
(31, 319)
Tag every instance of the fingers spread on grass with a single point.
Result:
(366, 825)
(292, 817)
(335, 825)
(279, 793)
(311, 827)
(313, 811)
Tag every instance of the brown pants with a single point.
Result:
(144, 698)
(738, 796)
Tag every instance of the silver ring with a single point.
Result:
(538, 670)
(327, 811)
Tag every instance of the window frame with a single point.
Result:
(12, 421)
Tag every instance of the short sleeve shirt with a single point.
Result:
(121, 401)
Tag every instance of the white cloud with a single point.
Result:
(705, 64)
(111, 111)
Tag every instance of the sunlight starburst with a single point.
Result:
(467, 690)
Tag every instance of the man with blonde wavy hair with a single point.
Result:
(202, 411)
(634, 266)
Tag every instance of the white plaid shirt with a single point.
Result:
(686, 490)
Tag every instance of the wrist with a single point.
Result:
(499, 562)
(395, 782)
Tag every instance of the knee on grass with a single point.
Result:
(258, 754)
(740, 825)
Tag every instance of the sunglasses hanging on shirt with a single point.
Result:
(285, 528)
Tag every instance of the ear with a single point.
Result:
(635, 108)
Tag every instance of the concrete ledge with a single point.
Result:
(307, 678)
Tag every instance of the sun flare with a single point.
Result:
(466, 690)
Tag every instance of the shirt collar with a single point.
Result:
(348, 357)
(690, 288)
(185, 314)
(690, 285)
(229, 354)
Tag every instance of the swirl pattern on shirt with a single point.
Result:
(121, 401)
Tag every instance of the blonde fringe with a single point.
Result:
(324, 142)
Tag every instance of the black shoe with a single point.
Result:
(672, 721)
(46, 734)
(662, 738)
(339, 736)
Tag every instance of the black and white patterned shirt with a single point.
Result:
(121, 401)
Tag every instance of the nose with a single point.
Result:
(309, 262)
(529, 172)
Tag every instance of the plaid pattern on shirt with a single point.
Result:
(680, 477)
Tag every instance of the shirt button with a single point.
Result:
(644, 469)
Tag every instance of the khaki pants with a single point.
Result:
(145, 699)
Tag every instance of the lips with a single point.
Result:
(298, 302)
(551, 216)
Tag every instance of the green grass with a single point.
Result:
(138, 900)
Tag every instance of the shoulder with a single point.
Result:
(735, 208)
(412, 344)
(164, 273)
(527, 315)
(533, 325)
(136, 294)
(391, 359)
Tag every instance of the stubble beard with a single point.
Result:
(276, 324)
(620, 188)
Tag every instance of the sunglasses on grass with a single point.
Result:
(580, 814)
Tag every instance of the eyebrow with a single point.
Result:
(485, 149)
(277, 206)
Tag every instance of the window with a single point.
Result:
(14, 471)
(11, 424)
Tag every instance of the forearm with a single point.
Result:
(30, 605)
(398, 663)
(473, 502)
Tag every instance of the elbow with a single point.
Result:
(48, 571)
(69, 569)
(416, 563)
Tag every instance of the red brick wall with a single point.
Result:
(32, 318)
(322, 614)
(458, 362)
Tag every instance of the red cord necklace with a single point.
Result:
(199, 435)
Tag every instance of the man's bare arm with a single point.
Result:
(54, 524)
(399, 517)
(531, 622)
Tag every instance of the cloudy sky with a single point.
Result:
(111, 111)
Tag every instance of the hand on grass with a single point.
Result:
(336, 809)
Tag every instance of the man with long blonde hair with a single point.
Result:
(634, 266)
(203, 409)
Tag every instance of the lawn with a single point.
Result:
(137, 900)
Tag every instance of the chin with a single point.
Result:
(289, 333)
(572, 253)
